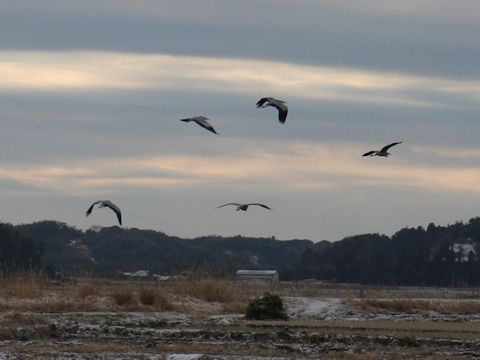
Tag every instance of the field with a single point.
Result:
(87, 318)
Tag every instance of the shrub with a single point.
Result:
(269, 307)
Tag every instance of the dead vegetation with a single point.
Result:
(35, 293)
(444, 307)
(208, 290)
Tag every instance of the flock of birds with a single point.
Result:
(202, 121)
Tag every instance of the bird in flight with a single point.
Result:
(383, 151)
(202, 121)
(244, 207)
(279, 104)
(109, 204)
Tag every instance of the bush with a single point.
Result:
(269, 307)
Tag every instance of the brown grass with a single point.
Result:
(84, 290)
(21, 319)
(124, 296)
(154, 296)
(205, 289)
(22, 286)
(147, 295)
(446, 307)
(235, 307)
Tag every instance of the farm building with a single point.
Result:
(257, 275)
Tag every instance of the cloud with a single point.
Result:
(58, 71)
(274, 168)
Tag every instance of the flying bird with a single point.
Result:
(109, 204)
(244, 207)
(279, 104)
(383, 151)
(202, 121)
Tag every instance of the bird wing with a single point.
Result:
(262, 101)
(385, 148)
(116, 209)
(370, 153)
(282, 111)
(205, 124)
(236, 204)
(262, 205)
(89, 211)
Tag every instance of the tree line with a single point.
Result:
(435, 256)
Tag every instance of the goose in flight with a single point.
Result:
(109, 204)
(383, 151)
(202, 121)
(279, 104)
(244, 207)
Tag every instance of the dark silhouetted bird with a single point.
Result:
(244, 207)
(279, 104)
(202, 121)
(109, 204)
(383, 151)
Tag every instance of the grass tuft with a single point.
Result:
(445, 307)
(124, 296)
(206, 289)
(85, 290)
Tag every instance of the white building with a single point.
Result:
(257, 275)
(463, 250)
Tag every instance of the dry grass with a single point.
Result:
(21, 319)
(22, 286)
(446, 307)
(124, 296)
(154, 296)
(147, 295)
(205, 289)
(235, 307)
(85, 289)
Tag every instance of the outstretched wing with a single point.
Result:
(205, 124)
(262, 101)
(282, 111)
(89, 211)
(116, 209)
(370, 153)
(385, 148)
(262, 205)
(236, 204)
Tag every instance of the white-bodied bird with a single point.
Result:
(244, 207)
(278, 104)
(383, 151)
(202, 121)
(109, 204)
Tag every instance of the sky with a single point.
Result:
(91, 94)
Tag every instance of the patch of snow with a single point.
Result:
(324, 308)
(231, 319)
(184, 356)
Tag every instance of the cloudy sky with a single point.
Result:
(91, 93)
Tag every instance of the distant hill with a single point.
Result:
(112, 249)
(438, 255)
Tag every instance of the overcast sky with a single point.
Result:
(92, 92)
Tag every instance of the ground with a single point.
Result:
(87, 319)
